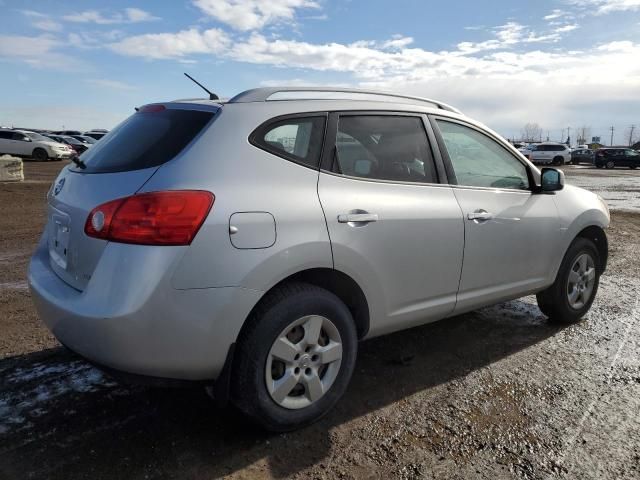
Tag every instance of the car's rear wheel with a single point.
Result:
(40, 154)
(576, 284)
(295, 357)
(632, 167)
(610, 164)
(558, 161)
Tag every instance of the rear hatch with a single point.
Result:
(117, 166)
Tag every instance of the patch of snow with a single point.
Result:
(54, 380)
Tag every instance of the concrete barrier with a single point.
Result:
(11, 169)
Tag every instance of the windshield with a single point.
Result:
(147, 138)
(71, 140)
(37, 137)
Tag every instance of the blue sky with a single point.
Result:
(560, 63)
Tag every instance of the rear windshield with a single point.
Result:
(145, 139)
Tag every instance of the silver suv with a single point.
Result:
(250, 244)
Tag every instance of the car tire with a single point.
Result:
(558, 161)
(40, 155)
(610, 164)
(572, 293)
(632, 167)
(278, 393)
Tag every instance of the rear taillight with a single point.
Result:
(155, 218)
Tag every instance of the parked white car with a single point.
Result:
(549, 153)
(22, 143)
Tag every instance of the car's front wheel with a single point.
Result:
(294, 358)
(576, 284)
(610, 164)
(40, 154)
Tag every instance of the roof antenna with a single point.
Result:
(212, 96)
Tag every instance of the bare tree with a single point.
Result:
(531, 132)
(583, 135)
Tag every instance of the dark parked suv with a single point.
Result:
(582, 155)
(617, 157)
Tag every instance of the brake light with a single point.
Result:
(155, 218)
(152, 108)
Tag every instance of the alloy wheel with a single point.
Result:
(303, 362)
(581, 280)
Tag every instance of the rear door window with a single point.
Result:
(150, 137)
(384, 147)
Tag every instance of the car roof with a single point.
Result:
(314, 94)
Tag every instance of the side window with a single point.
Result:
(383, 147)
(298, 139)
(479, 161)
(19, 136)
(631, 153)
(6, 135)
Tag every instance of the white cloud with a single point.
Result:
(397, 42)
(247, 15)
(173, 45)
(500, 80)
(93, 40)
(37, 52)
(135, 15)
(602, 7)
(557, 13)
(567, 28)
(42, 21)
(111, 84)
(130, 15)
(19, 46)
(507, 36)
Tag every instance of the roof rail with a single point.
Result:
(315, 93)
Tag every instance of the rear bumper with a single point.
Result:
(129, 318)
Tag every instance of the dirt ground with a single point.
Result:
(497, 393)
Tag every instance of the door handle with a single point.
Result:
(357, 217)
(480, 215)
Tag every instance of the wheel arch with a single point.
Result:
(597, 235)
(338, 283)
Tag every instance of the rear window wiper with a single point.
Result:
(79, 163)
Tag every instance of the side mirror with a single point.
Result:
(551, 180)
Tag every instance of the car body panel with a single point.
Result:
(70, 201)
(409, 259)
(129, 317)
(510, 253)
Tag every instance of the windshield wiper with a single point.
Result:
(79, 162)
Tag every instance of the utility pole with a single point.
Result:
(631, 129)
(612, 128)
